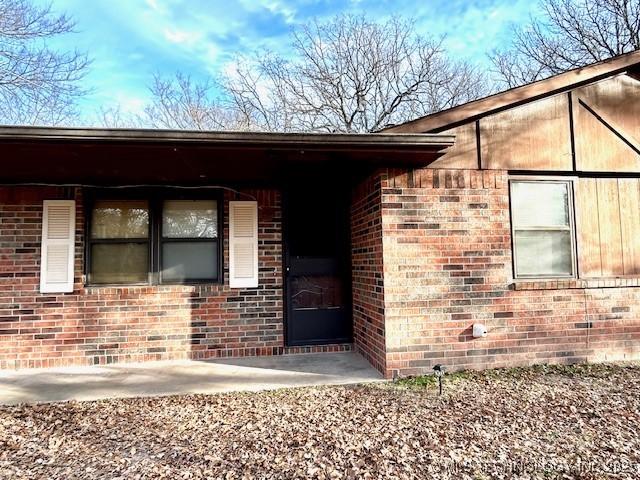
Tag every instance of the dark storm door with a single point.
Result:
(318, 282)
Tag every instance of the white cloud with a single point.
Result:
(130, 104)
(180, 36)
(476, 27)
(131, 40)
(210, 56)
(278, 8)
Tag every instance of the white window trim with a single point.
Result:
(570, 182)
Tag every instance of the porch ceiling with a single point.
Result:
(118, 156)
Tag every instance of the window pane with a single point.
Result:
(541, 253)
(119, 263)
(120, 219)
(189, 261)
(190, 219)
(540, 204)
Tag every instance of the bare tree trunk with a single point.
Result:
(350, 75)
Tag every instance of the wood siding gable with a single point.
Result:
(593, 128)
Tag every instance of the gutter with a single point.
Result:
(320, 141)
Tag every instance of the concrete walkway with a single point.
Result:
(182, 377)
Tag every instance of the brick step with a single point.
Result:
(335, 347)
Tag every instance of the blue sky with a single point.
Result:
(130, 40)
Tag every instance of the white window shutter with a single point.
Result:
(57, 249)
(243, 244)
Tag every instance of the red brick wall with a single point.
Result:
(447, 256)
(100, 325)
(367, 272)
(431, 255)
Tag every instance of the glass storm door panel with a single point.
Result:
(317, 268)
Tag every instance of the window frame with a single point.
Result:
(571, 228)
(155, 198)
(162, 240)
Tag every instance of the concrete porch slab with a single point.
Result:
(183, 377)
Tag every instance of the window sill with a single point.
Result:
(575, 283)
(119, 287)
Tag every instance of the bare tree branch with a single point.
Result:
(37, 85)
(181, 103)
(350, 75)
(347, 75)
(115, 117)
(570, 34)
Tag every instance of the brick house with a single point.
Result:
(518, 214)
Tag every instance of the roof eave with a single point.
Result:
(320, 141)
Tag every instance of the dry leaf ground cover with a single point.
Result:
(544, 422)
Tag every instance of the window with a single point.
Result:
(189, 240)
(119, 242)
(542, 223)
(153, 241)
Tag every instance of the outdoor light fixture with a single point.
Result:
(439, 371)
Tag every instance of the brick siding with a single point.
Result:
(367, 273)
(101, 325)
(431, 256)
(447, 265)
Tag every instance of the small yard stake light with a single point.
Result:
(439, 371)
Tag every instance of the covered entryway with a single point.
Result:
(303, 285)
(317, 262)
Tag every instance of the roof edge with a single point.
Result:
(518, 95)
(229, 138)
